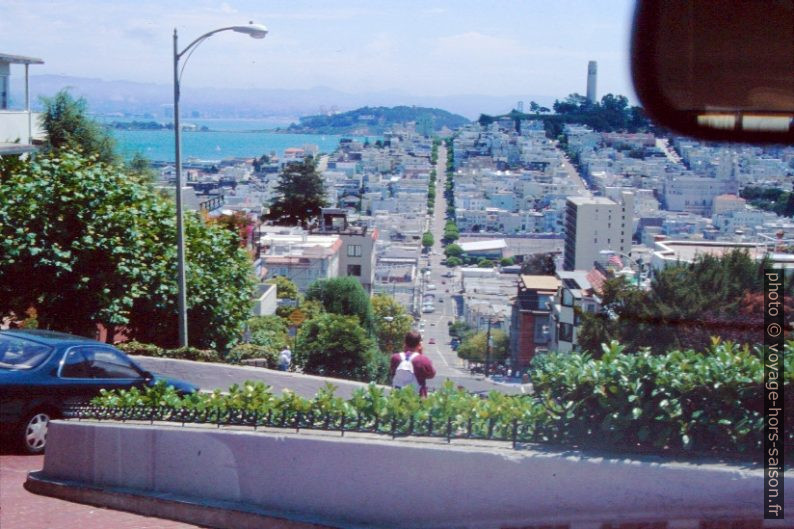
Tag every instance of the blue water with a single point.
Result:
(227, 139)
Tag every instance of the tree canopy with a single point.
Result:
(346, 296)
(86, 243)
(686, 306)
(300, 194)
(612, 113)
(68, 127)
(391, 323)
(474, 346)
(336, 345)
(427, 239)
(285, 288)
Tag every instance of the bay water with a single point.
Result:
(225, 139)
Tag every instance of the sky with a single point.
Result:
(432, 48)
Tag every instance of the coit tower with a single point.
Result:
(592, 71)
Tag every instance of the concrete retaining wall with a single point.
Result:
(355, 481)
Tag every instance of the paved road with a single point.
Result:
(210, 376)
(445, 360)
(573, 174)
(19, 509)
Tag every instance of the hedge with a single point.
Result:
(184, 353)
(679, 403)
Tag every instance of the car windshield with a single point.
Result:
(19, 353)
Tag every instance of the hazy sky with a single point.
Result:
(532, 47)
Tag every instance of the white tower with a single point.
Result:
(592, 71)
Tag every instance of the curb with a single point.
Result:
(202, 512)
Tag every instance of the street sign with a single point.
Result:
(297, 317)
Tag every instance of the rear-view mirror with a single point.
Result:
(721, 70)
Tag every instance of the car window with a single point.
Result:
(106, 363)
(18, 353)
(75, 365)
(94, 362)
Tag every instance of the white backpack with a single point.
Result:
(404, 374)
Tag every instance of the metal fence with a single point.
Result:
(448, 428)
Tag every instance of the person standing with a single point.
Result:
(411, 367)
(284, 359)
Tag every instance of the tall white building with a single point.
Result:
(592, 72)
(593, 224)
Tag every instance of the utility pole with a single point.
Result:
(488, 349)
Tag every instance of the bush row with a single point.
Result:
(236, 355)
(682, 402)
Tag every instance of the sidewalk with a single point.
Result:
(20, 509)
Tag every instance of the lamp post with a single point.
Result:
(627, 256)
(257, 31)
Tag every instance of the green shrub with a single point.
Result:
(681, 402)
(678, 401)
(246, 351)
(141, 349)
(193, 353)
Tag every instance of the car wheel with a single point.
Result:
(34, 432)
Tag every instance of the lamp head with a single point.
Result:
(255, 31)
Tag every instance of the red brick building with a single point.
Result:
(530, 326)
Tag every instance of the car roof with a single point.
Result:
(49, 337)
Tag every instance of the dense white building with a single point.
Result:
(594, 224)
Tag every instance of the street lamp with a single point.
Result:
(257, 31)
(608, 253)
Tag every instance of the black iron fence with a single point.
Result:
(447, 428)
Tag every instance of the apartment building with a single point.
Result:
(300, 257)
(530, 329)
(357, 257)
(595, 224)
(576, 295)
(19, 127)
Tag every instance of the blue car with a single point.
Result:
(43, 373)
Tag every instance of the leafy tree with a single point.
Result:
(485, 263)
(427, 239)
(391, 323)
(337, 346)
(507, 261)
(285, 288)
(268, 332)
(301, 194)
(68, 127)
(85, 243)
(454, 261)
(346, 296)
(474, 346)
(140, 165)
(686, 306)
(453, 250)
(459, 329)
(539, 264)
(451, 232)
(237, 223)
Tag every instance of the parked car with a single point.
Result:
(44, 373)
(432, 341)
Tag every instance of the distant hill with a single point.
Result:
(376, 120)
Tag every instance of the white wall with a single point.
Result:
(382, 483)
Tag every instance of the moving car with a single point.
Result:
(432, 341)
(44, 373)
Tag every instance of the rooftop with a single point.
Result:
(540, 282)
(19, 59)
(596, 201)
(493, 244)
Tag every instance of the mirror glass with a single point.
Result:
(723, 66)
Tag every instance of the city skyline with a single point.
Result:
(410, 48)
